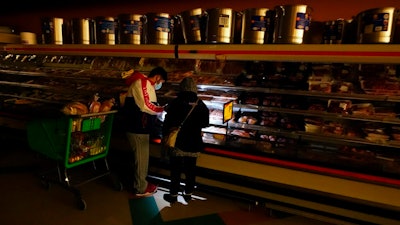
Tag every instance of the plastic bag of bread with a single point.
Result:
(75, 108)
(107, 105)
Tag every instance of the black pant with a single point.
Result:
(187, 166)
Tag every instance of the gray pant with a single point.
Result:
(140, 146)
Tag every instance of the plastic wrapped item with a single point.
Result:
(339, 106)
(75, 108)
(321, 86)
(362, 109)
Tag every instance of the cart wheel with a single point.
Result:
(81, 204)
(117, 184)
(45, 183)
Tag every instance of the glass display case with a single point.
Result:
(328, 111)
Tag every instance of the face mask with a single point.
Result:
(158, 86)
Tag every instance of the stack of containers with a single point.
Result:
(282, 24)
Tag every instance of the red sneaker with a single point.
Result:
(150, 190)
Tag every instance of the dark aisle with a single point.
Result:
(25, 201)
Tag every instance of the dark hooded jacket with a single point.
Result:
(190, 137)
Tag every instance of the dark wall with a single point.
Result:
(25, 15)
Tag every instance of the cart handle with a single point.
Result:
(96, 114)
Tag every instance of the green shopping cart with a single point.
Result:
(73, 141)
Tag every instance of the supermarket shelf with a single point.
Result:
(9, 38)
(323, 114)
(317, 53)
(319, 94)
(152, 51)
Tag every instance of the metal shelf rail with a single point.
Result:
(317, 53)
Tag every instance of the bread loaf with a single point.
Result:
(75, 108)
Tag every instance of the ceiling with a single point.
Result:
(44, 5)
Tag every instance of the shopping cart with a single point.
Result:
(73, 141)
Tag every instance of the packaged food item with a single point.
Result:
(313, 125)
(332, 127)
(321, 86)
(362, 109)
(339, 106)
(376, 133)
(342, 87)
(396, 133)
(384, 112)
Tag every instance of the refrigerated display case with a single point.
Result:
(310, 132)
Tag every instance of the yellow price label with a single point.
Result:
(228, 111)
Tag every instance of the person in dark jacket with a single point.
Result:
(189, 143)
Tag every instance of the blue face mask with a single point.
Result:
(158, 86)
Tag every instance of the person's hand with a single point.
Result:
(161, 116)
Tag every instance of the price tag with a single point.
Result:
(227, 111)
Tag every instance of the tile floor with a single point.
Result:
(25, 201)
